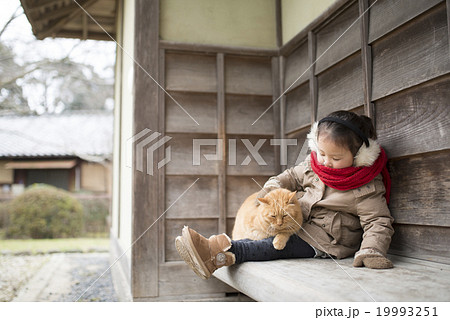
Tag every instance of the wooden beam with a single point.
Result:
(162, 153)
(282, 62)
(84, 23)
(313, 92)
(145, 201)
(276, 93)
(366, 57)
(221, 135)
(448, 21)
(42, 4)
(75, 11)
(174, 45)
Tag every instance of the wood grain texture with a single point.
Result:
(182, 153)
(248, 75)
(221, 134)
(177, 279)
(298, 108)
(303, 280)
(341, 87)
(414, 53)
(387, 15)
(244, 110)
(297, 64)
(200, 106)
(242, 163)
(144, 257)
(422, 242)
(335, 42)
(238, 189)
(200, 201)
(191, 72)
(297, 154)
(366, 58)
(416, 120)
(419, 194)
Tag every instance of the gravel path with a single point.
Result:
(56, 277)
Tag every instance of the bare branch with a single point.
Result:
(11, 19)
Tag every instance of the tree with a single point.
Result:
(47, 85)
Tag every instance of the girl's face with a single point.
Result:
(332, 155)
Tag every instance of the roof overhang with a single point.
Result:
(80, 19)
(42, 164)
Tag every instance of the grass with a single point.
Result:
(47, 245)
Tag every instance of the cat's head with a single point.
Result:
(280, 211)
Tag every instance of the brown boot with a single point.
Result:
(203, 255)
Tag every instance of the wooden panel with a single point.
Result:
(416, 120)
(298, 108)
(297, 64)
(177, 279)
(201, 107)
(411, 204)
(242, 162)
(182, 155)
(191, 72)
(206, 227)
(200, 201)
(383, 21)
(341, 88)
(413, 54)
(335, 43)
(238, 189)
(422, 242)
(243, 111)
(248, 75)
(298, 153)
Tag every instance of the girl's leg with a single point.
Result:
(263, 250)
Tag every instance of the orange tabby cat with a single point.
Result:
(279, 215)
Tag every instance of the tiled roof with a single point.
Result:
(72, 134)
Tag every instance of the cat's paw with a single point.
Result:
(279, 243)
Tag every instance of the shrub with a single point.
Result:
(44, 211)
(96, 214)
(4, 214)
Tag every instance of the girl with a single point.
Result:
(343, 188)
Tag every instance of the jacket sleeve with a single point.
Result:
(375, 217)
(291, 179)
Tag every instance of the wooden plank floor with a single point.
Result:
(325, 280)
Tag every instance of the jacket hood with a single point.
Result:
(365, 157)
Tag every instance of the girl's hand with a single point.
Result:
(372, 259)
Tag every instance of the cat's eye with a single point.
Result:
(273, 216)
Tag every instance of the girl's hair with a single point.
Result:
(342, 135)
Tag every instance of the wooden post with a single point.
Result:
(366, 57)
(276, 92)
(144, 258)
(221, 135)
(313, 92)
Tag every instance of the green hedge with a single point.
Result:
(44, 211)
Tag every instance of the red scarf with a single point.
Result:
(353, 177)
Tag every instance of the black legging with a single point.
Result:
(263, 250)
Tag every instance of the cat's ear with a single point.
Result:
(292, 197)
(263, 201)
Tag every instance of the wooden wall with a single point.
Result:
(215, 96)
(392, 65)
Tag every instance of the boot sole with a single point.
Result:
(187, 251)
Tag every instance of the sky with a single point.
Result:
(100, 54)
